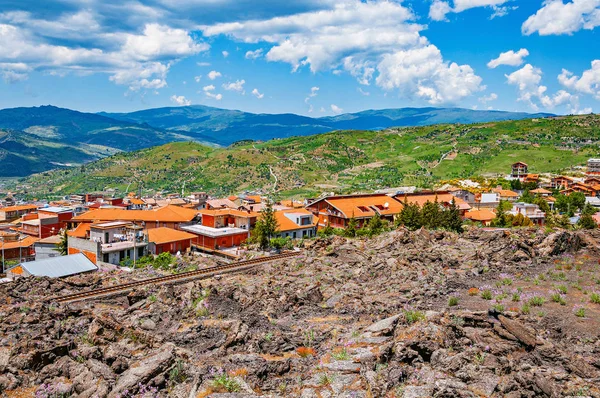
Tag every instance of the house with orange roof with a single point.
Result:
(46, 222)
(506, 194)
(532, 178)
(296, 224)
(14, 246)
(167, 240)
(221, 228)
(483, 216)
(541, 191)
(562, 182)
(593, 180)
(167, 216)
(580, 187)
(337, 211)
(12, 213)
(444, 198)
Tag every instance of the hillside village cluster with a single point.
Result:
(88, 232)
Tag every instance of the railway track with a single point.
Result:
(179, 278)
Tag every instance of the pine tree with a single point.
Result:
(587, 222)
(501, 219)
(452, 220)
(431, 215)
(63, 245)
(351, 228)
(563, 222)
(410, 216)
(375, 225)
(266, 226)
(588, 209)
(526, 197)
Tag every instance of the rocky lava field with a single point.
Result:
(489, 313)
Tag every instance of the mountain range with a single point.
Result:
(37, 139)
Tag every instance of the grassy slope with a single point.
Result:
(342, 161)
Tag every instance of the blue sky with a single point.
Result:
(306, 56)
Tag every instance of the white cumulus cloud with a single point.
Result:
(238, 86)
(254, 54)
(213, 74)
(336, 109)
(372, 41)
(488, 98)
(180, 100)
(439, 9)
(557, 17)
(225, 54)
(588, 83)
(257, 94)
(510, 58)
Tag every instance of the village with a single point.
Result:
(91, 231)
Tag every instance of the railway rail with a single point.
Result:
(178, 278)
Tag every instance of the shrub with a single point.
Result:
(526, 309)
(499, 307)
(325, 379)
(558, 298)
(516, 297)
(306, 352)
(595, 298)
(453, 301)
(224, 383)
(562, 289)
(486, 294)
(413, 316)
(579, 311)
(537, 301)
(340, 354)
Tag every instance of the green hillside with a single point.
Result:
(341, 161)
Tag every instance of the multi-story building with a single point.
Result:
(14, 246)
(46, 222)
(222, 228)
(519, 170)
(296, 223)
(530, 211)
(12, 213)
(593, 167)
(110, 242)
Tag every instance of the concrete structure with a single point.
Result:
(593, 167)
(488, 200)
(46, 222)
(530, 211)
(111, 242)
(217, 238)
(519, 170)
(54, 267)
(168, 216)
(47, 248)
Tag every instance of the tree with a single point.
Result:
(577, 200)
(501, 219)
(266, 226)
(431, 215)
(409, 216)
(587, 222)
(588, 209)
(542, 204)
(505, 205)
(516, 185)
(526, 197)
(63, 245)
(452, 220)
(562, 203)
(563, 222)
(376, 225)
(351, 228)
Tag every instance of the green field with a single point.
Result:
(341, 161)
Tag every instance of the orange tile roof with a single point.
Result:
(228, 212)
(26, 242)
(232, 197)
(255, 198)
(136, 201)
(480, 215)
(167, 235)
(19, 208)
(541, 191)
(292, 203)
(506, 193)
(285, 224)
(162, 214)
(360, 206)
(550, 199)
(421, 199)
(81, 231)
